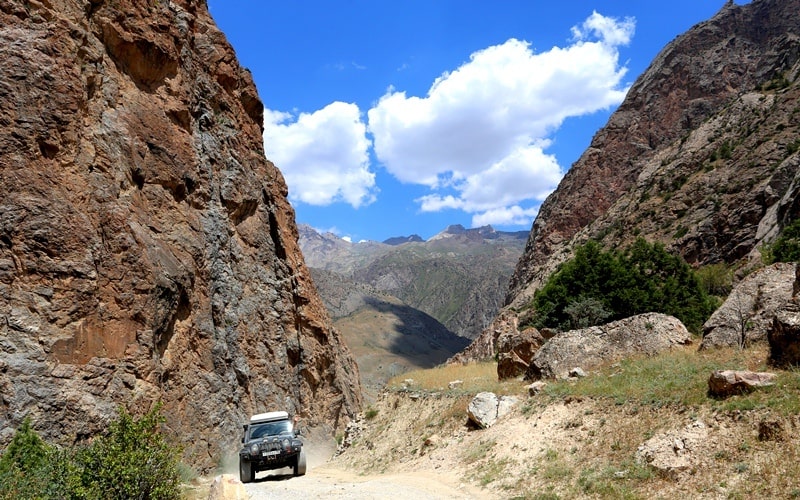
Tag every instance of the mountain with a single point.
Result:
(399, 240)
(147, 249)
(386, 336)
(702, 155)
(458, 277)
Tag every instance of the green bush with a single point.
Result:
(132, 461)
(596, 286)
(787, 247)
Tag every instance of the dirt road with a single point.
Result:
(327, 481)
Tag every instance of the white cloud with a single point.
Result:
(323, 155)
(509, 216)
(477, 139)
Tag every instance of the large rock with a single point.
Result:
(748, 312)
(147, 248)
(784, 337)
(646, 334)
(486, 407)
(725, 383)
(515, 350)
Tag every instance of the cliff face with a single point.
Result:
(147, 249)
(701, 155)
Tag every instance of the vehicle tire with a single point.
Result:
(245, 471)
(300, 464)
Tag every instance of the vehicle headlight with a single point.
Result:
(254, 449)
(286, 444)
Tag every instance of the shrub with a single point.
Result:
(132, 461)
(787, 247)
(643, 278)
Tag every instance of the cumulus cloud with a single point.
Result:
(478, 138)
(323, 155)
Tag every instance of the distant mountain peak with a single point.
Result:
(399, 240)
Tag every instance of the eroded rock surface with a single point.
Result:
(748, 313)
(147, 249)
(589, 347)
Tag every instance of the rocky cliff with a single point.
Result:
(147, 249)
(702, 155)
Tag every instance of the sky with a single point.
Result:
(398, 118)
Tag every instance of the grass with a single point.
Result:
(476, 377)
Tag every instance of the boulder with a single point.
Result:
(784, 337)
(750, 307)
(724, 383)
(515, 349)
(647, 334)
(486, 407)
(536, 387)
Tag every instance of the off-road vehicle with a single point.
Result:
(270, 441)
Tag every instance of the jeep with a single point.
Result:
(270, 441)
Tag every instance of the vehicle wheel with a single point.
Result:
(300, 464)
(245, 471)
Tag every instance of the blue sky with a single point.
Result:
(395, 118)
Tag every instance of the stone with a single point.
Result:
(587, 348)
(515, 349)
(747, 314)
(577, 372)
(536, 387)
(148, 251)
(725, 383)
(455, 384)
(486, 407)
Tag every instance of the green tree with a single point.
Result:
(597, 286)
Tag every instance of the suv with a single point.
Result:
(270, 442)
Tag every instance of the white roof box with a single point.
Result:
(266, 417)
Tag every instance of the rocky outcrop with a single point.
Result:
(702, 155)
(646, 334)
(747, 314)
(147, 249)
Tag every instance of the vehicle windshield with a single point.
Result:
(270, 429)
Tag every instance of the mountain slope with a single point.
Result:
(701, 155)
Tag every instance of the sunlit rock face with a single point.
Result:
(147, 249)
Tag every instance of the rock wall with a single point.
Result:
(147, 249)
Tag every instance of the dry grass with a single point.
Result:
(579, 439)
(475, 377)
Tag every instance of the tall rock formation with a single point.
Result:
(702, 155)
(147, 249)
